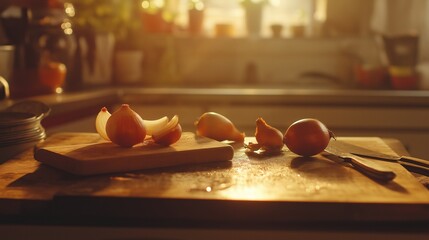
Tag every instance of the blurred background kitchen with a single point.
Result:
(295, 43)
(360, 66)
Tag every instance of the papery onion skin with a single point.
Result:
(170, 137)
(101, 121)
(307, 137)
(268, 137)
(125, 127)
(216, 126)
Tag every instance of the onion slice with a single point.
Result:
(165, 129)
(100, 123)
(153, 126)
(170, 134)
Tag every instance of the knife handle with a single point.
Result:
(371, 169)
(414, 160)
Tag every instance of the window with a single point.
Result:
(283, 12)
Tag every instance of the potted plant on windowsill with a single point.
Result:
(96, 23)
(253, 15)
(128, 56)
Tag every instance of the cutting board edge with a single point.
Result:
(87, 168)
(44, 156)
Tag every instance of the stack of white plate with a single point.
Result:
(20, 128)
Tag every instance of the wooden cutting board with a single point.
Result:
(250, 188)
(89, 154)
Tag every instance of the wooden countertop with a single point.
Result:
(247, 191)
(248, 95)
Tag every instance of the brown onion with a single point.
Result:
(125, 127)
(307, 137)
(268, 137)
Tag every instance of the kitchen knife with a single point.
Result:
(365, 166)
(412, 164)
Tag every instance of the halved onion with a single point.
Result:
(162, 130)
(125, 127)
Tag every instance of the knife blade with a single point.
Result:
(412, 164)
(365, 166)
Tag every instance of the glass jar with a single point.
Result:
(51, 48)
(44, 46)
(195, 17)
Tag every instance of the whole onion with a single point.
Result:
(307, 137)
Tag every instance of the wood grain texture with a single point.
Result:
(256, 188)
(92, 155)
